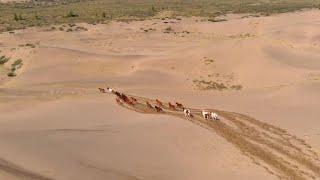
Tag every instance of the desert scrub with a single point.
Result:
(12, 74)
(16, 65)
(168, 30)
(28, 45)
(212, 85)
(209, 85)
(208, 61)
(216, 20)
(19, 15)
(71, 14)
(4, 59)
(236, 87)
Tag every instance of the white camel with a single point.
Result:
(214, 116)
(187, 112)
(110, 90)
(205, 114)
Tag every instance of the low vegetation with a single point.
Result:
(216, 20)
(213, 85)
(14, 67)
(28, 45)
(4, 59)
(46, 12)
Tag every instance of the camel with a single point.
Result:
(124, 97)
(149, 105)
(187, 113)
(158, 109)
(117, 94)
(179, 105)
(134, 99)
(110, 90)
(129, 103)
(119, 101)
(102, 90)
(171, 106)
(205, 114)
(159, 103)
(214, 116)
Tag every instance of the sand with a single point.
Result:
(55, 124)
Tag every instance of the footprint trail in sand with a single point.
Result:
(278, 152)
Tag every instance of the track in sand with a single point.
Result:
(277, 151)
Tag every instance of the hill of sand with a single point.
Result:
(54, 123)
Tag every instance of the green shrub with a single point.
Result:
(216, 20)
(16, 65)
(4, 59)
(30, 45)
(17, 17)
(71, 14)
(12, 74)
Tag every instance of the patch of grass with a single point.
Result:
(208, 61)
(28, 45)
(71, 14)
(11, 74)
(4, 59)
(212, 85)
(46, 12)
(168, 30)
(236, 87)
(16, 65)
(216, 20)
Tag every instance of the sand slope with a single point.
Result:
(54, 123)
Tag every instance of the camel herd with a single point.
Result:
(122, 98)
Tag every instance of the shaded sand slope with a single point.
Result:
(54, 123)
(58, 141)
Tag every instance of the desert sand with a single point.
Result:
(54, 123)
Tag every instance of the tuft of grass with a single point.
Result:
(71, 14)
(63, 11)
(168, 30)
(216, 20)
(11, 74)
(212, 85)
(16, 65)
(4, 59)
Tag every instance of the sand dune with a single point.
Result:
(55, 124)
(273, 148)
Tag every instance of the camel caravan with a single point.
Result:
(159, 107)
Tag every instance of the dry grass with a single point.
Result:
(45, 12)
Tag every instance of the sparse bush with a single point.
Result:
(4, 59)
(168, 30)
(30, 45)
(71, 14)
(37, 17)
(16, 17)
(236, 87)
(16, 64)
(104, 15)
(216, 20)
(12, 74)
(212, 85)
